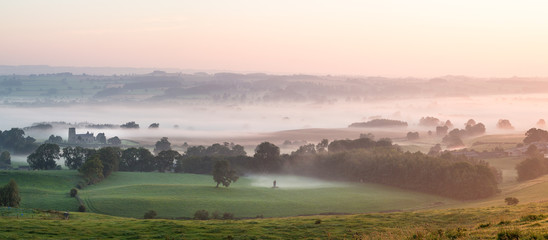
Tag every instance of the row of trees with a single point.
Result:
(15, 141)
(385, 164)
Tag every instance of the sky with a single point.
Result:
(420, 38)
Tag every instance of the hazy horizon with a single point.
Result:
(393, 38)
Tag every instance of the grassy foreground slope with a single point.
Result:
(523, 221)
(44, 189)
(130, 194)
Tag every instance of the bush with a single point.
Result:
(511, 200)
(532, 217)
(216, 215)
(227, 215)
(150, 214)
(201, 215)
(509, 234)
(81, 208)
(73, 192)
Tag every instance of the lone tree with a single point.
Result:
(44, 157)
(9, 195)
(223, 174)
(151, 214)
(511, 201)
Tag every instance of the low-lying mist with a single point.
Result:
(186, 121)
(292, 182)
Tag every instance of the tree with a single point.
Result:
(131, 124)
(429, 121)
(223, 174)
(110, 158)
(511, 201)
(101, 138)
(267, 157)
(201, 215)
(73, 192)
(9, 195)
(531, 168)
(75, 156)
(55, 139)
(137, 159)
(412, 135)
(154, 125)
(162, 145)
(44, 157)
(92, 170)
(504, 124)
(151, 214)
(322, 145)
(5, 158)
(165, 160)
(115, 141)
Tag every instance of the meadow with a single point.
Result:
(48, 190)
(130, 194)
(508, 222)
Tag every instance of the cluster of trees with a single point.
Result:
(535, 135)
(131, 124)
(535, 165)
(384, 163)
(454, 137)
(379, 123)
(9, 195)
(14, 140)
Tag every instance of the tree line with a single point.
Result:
(360, 160)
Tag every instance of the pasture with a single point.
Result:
(48, 190)
(130, 194)
(521, 222)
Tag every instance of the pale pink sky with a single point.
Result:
(423, 38)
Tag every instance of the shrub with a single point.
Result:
(201, 215)
(81, 208)
(532, 217)
(216, 215)
(73, 192)
(511, 200)
(227, 215)
(484, 225)
(150, 214)
(509, 234)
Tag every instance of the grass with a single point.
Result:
(44, 189)
(180, 195)
(524, 221)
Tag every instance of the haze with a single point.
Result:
(423, 38)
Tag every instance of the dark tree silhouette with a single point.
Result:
(44, 157)
(162, 145)
(9, 195)
(223, 174)
(267, 157)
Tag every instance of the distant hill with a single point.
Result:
(379, 123)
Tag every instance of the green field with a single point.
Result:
(521, 221)
(180, 195)
(44, 189)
